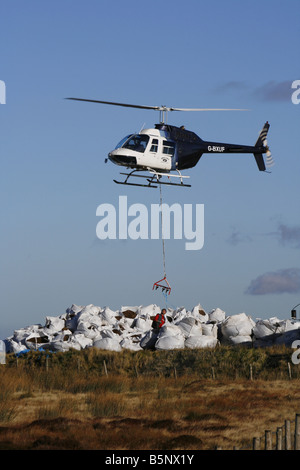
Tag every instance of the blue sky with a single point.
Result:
(53, 175)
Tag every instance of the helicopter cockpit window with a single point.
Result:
(168, 148)
(137, 142)
(154, 145)
(122, 142)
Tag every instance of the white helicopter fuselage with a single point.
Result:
(168, 148)
(150, 148)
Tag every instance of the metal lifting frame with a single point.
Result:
(164, 288)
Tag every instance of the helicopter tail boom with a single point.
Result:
(257, 150)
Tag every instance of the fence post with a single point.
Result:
(213, 376)
(287, 437)
(297, 432)
(251, 374)
(290, 370)
(268, 440)
(279, 439)
(105, 368)
(256, 443)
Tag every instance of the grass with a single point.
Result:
(148, 400)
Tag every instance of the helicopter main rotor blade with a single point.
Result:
(156, 108)
(206, 109)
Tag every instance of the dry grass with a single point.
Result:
(61, 408)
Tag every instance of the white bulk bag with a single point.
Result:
(143, 324)
(108, 344)
(264, 328)
(14, 347)
(131, 309)
(108, 316)
(81, 340)
(288, 325)
(107, 333)
(200, 341)
(199, 313)
(170, 342)
(239, 339)
(236, 325)
(74, 309)
(90, 310)
(217, 315)
(169, 329)
(151, 310)
(87, 329)
(22, 334)
(179, 314)
(71, 322)
(210, 329)
(127, 343)
(186, 325)
(54, 324)
(59, 346)
(149, 340)
(36, 339)
(62, 335)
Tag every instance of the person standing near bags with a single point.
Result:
(159, 320)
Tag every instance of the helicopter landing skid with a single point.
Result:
(149, 185)
(154, 179)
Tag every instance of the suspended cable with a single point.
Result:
(162, 231)
(162, 283)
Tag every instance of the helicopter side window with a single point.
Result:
(137, 143)
(154, 145)
(168, 148)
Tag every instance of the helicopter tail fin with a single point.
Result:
(262, 147)
(262, 135)
(260, 161)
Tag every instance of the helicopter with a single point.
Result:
(166, 150)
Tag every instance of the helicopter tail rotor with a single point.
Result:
(262, 147)
(269, 159)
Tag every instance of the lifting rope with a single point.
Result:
(162, 283)
(162, 230)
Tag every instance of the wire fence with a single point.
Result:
(286, 437)
(204, 365)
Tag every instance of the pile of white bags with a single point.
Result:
(130, 328)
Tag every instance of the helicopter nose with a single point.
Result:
(125, 160)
